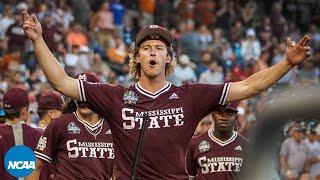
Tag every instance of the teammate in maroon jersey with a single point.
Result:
(78, 144)
(172, 112)
(219, 153)
(49, 107)
(15, 131)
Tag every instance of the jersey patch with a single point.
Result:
(130, 97)
(204, 146)
(73, 128)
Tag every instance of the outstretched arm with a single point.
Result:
(54, 72)
(260, 81)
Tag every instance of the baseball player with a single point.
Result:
(15, 131)
(219, 153)
(78, 144)
(172, 113)
(50, 106)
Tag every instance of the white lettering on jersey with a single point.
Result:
(99, 150)
(219, 164)
(42, 143)
(157, 119)
(129, 120)
(73, 152)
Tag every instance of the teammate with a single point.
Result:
(78, 144)
(15, 131)
(49, 107)
(172, 112)
(219, 153)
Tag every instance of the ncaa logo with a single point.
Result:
(20, 161)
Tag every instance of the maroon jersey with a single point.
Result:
(210, 158)
(16, 134)
(172, 114)
(77, 149)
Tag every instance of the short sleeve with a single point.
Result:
(48, 143)
(99, 96)
(284, 149)
(191, 163)
(206, 97)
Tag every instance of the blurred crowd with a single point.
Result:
(228, 41)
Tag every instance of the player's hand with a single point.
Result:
(31, 26)
(296, 53)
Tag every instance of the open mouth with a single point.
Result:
(152, 62)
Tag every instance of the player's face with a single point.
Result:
(25, 114)
(55, 114)
(224, 121)
(153, 57)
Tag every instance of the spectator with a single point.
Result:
(15, 33)
(183, 72)
(190, 42)
(293, 154)
(308, 74)
(205, 37)
(262, 63)
(76, 37)
(105, 17)
(147, 8)
(6, 20)
(118, 11)
(278, 21)
(313, 158)
(213, 75)
(51, 33)
(250, 48)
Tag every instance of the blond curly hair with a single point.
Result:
(135, 68)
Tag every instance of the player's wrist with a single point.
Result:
(288, 63)
(37, 40)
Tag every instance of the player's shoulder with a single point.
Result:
(199, 138)
(242, 139)
(4, 128)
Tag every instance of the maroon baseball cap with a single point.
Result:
(15, 98)
(50, 101)
(90, 77)
(153, 32)
(230, 107)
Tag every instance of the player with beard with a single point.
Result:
(171, 111)
(78, 144)
(15, 131)
(219, 153)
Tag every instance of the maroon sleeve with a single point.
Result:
(2, 155)
(191, 162)
(206, 97)
(98, 96)
(48, 143)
